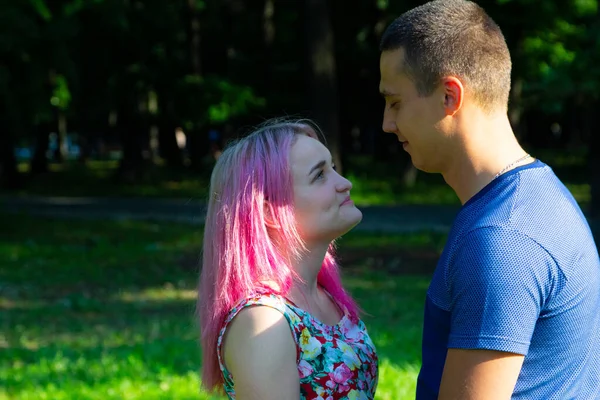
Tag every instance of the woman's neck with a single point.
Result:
(305, 288)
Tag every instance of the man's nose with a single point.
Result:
(389, 123)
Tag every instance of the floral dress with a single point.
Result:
(334, 362)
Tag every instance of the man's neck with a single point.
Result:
(486, 147)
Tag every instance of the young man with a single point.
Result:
(513, 310)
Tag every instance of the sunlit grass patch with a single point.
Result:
(124, 352)
(153, 295)
(114, 352)
(134, 372)
(397, 381)
(106, 309)
(168, 387)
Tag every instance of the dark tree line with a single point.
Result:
(132, 71)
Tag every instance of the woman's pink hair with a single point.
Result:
(250, 235)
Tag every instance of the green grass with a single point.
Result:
(374, 182)
(104, 310)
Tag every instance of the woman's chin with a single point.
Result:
(353, 222)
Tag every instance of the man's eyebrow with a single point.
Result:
(318, 165)
(385, 93)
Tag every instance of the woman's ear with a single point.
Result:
(268, 212)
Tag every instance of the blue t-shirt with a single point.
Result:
(520, 273)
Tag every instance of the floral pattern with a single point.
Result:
(334, 362)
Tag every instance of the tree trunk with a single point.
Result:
(133, 134)
(236, 12)
(167, 124)
(268, 38)
(39, 162)
(197, 145)
(213, 58)
(61, 124)
(9, 174)
(194, 38)
(322, 77)
(61, 129)
(168, 148)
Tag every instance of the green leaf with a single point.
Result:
(585, 7)
(61, 95)
(42, 9)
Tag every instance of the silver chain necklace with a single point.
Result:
(525, 157)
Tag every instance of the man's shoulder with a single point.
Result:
(489, 243)
(530, 204)
(492, 240)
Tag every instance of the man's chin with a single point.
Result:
(421, 166)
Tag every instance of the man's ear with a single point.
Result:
(454, 92)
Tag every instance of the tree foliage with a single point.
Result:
(112, 67)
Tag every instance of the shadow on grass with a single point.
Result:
(56, 259)
(53, 259)
(97, 178)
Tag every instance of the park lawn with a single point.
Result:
(105, 309)
(374, 182)
(95, 179)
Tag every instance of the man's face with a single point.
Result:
(412, 118)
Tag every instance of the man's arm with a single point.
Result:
(479, 375)
(499, 282)
(260, 353)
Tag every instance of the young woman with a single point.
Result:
(275, 321)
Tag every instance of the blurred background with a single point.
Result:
(112, 113)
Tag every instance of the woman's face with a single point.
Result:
(323, 209)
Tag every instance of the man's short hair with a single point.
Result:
(453, 37)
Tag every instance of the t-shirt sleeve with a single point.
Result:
(498, 282)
